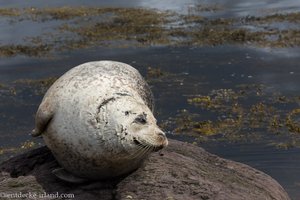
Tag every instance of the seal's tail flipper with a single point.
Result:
(43, 117)
(64, 175)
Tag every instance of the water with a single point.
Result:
(194, 71)
(232, 7)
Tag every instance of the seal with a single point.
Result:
(97, 119)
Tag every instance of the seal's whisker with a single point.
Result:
(143, 147)
(140, 153)
(139, 149)
(152, 140)
(150, 149)
(143, 152)
(136, 153)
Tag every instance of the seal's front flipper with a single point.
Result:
(43, 117)
(64, 175)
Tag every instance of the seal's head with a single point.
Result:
(145, 133)
(135, 126)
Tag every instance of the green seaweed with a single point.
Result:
(9, 12)
(217, 36)
(61, 13)
(36, 86)
(46, 82)
(198, 8)
(12, 50)
(28, 144)
(235, 119)
(291, 123)
(2, 86)
(153, 72)
(124, 27)
(143, 26)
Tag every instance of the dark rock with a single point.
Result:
(183, 172)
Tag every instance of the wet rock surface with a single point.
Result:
(182, 171)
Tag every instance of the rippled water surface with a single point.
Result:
(192, 71)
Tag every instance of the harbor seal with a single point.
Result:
(97, 120)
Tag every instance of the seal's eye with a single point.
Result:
(141, 119)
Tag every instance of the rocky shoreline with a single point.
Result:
(182, 171)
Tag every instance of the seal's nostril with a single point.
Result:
(161, 134)
(163, 139)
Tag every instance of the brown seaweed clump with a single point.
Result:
(226, 114)
(291, 121)
(9, 12)
(13, 50)
(23, 146)
(82, 27)
(37, 86)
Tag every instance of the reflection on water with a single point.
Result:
(194, 71)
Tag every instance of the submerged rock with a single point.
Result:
(182, 171)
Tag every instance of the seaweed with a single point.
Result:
(36, 86)
(124, 27)
(234, 118)
(12, 50)
(291, 123)
(9, 12)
